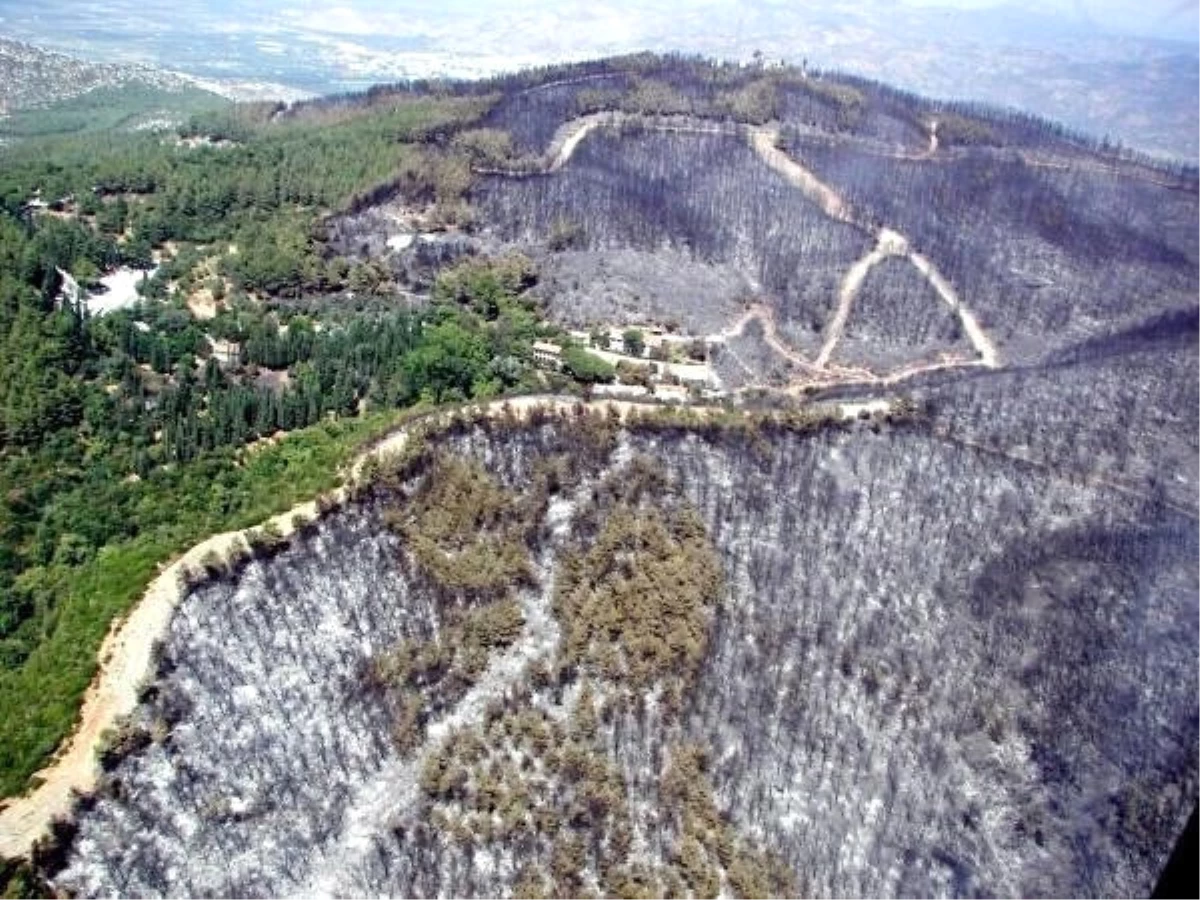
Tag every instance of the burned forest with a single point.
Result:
(795, 495)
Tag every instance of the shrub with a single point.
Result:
(119, 742)
(587, 368)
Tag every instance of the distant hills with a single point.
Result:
(1128, 72)
(31, 77)
(43, 92)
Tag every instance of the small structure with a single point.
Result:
(69, 292)
(671, 393)
(547, 355)
(619, 390)
(226, 353)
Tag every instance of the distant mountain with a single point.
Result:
(31, 77)
(1091, 64)
(35, 78)
(44, 93)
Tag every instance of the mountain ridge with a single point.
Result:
(32, 77)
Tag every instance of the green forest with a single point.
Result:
(124, 438)
(128, 107)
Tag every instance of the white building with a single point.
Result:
(547, 355)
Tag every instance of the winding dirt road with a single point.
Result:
(765, 316)
(979, 339)
(125, 661)
(126, 652)
(765, 143)
(888, 242)
(812, 377)
(569, 136)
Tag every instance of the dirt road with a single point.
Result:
(889, 243)
(125, 662)
(125, 654)
(764, 141)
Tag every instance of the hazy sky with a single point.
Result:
(1162, 18)
(611, 18)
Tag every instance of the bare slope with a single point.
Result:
(705, 196)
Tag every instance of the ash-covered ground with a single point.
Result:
(933, 667)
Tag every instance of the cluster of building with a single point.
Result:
(662, 375)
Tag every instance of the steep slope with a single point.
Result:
(938, 640)
(706, 196)
(898, 317)
(1046, 254)
(786, 190)
(985, 687)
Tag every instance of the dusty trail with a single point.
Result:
(830, 375)
(890, 243)
(1038, 161)
(765, 316)
(581, 79)
(937, 154)
(125, 654)
(979, 338)
(569, 136)
(125, 661)
(764, 142)
(763, 138)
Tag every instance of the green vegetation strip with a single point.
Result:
(40, 700)
(106, 108)
(634, 602)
